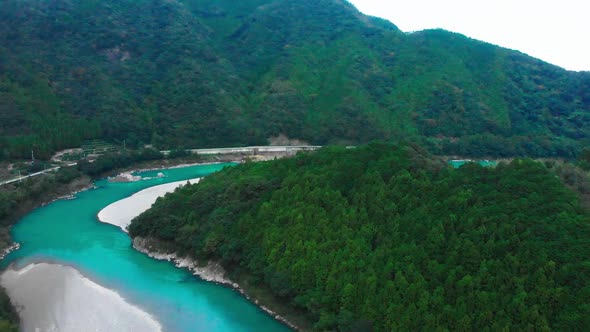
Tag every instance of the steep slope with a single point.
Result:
(385, 238)
(205, 73)
(125, 64)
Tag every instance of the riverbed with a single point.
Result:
(84, 254)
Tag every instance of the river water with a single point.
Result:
(67, 232)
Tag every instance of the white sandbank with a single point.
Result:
(120, 213)
(125, 177)
(52, 297)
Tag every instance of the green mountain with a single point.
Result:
(385, 238)
(218, 72)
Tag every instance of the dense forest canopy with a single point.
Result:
(384, 237)
(218, 72)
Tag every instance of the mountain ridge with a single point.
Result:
(202, 74)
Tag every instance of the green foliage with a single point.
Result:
(384, 237)
(109, 162)
(8, 316)
(15, 200)
(14, 196)
(178, 153)
(219, 73)
(584, 159)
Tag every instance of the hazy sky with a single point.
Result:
(556, 31)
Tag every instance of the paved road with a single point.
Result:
(54, 169)
(252, 149)
(247, 149)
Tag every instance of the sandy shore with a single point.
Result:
(120, 213)
(51, 297)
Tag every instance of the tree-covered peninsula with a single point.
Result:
(387, 238)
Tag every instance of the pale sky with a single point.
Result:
(556, 31)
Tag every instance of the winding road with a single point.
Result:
(54, 169)
(214, 151)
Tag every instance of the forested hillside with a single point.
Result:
(384, 237)
(219, 72)
(8, 316)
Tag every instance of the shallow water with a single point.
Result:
(68, 232)
(484, 163)
(54, 297)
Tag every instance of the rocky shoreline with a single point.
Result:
(71, 195)
(8, 250)
(212, 271)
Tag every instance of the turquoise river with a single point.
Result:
(67, 232)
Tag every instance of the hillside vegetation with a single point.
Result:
(8, 316)
(219, 72)
(384, 237)
(18, 199)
